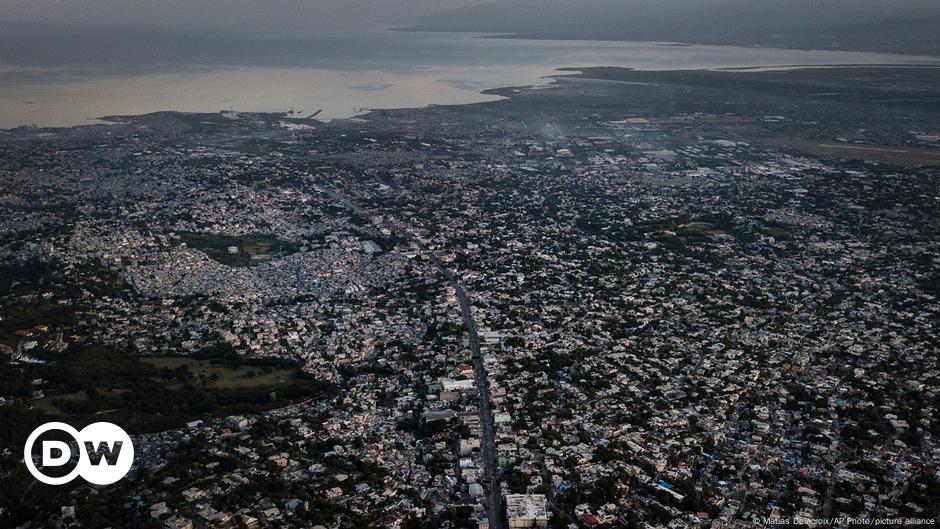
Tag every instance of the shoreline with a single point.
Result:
(585, 73)
(415, 74)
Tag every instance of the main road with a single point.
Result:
(486, 414)
(494, 500)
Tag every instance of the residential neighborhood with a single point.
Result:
(654, 315)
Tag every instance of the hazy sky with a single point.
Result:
(269, 16)
(264, 15)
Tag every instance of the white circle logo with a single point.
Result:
(104, 451)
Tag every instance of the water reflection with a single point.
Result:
(350, 73)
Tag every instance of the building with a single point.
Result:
(178, 522)
(457, 385)
(476, 490)
(526, 510)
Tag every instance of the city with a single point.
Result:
(582, 305)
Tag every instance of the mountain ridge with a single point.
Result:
(859, 25)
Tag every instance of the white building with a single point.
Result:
(457, 385)
(526, 510)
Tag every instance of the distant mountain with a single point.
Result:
(8, 26)
(903, 26)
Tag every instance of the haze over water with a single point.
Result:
(338, 73)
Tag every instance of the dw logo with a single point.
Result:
(105, 453)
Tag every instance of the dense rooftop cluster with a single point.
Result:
(676, 321)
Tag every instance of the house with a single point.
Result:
(334, 493)
(193, 494)
(178, 522)
(159, 510)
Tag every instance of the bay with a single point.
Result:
(75, 79)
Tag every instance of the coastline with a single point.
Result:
(691, 77)
(342, 84)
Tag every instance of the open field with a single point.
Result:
(904, 156)
(225, 376)
(249, 249)
(98, 383)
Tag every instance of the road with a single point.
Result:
(486, 415)
(488, 443)
(833, 455)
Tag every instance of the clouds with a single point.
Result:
(907, 26)
(236, 15)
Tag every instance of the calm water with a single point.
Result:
(62, 82)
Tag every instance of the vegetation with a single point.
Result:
(251, 248)
(99, 383)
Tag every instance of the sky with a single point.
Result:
(241, 15)
(301, 15)
(889, 25)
